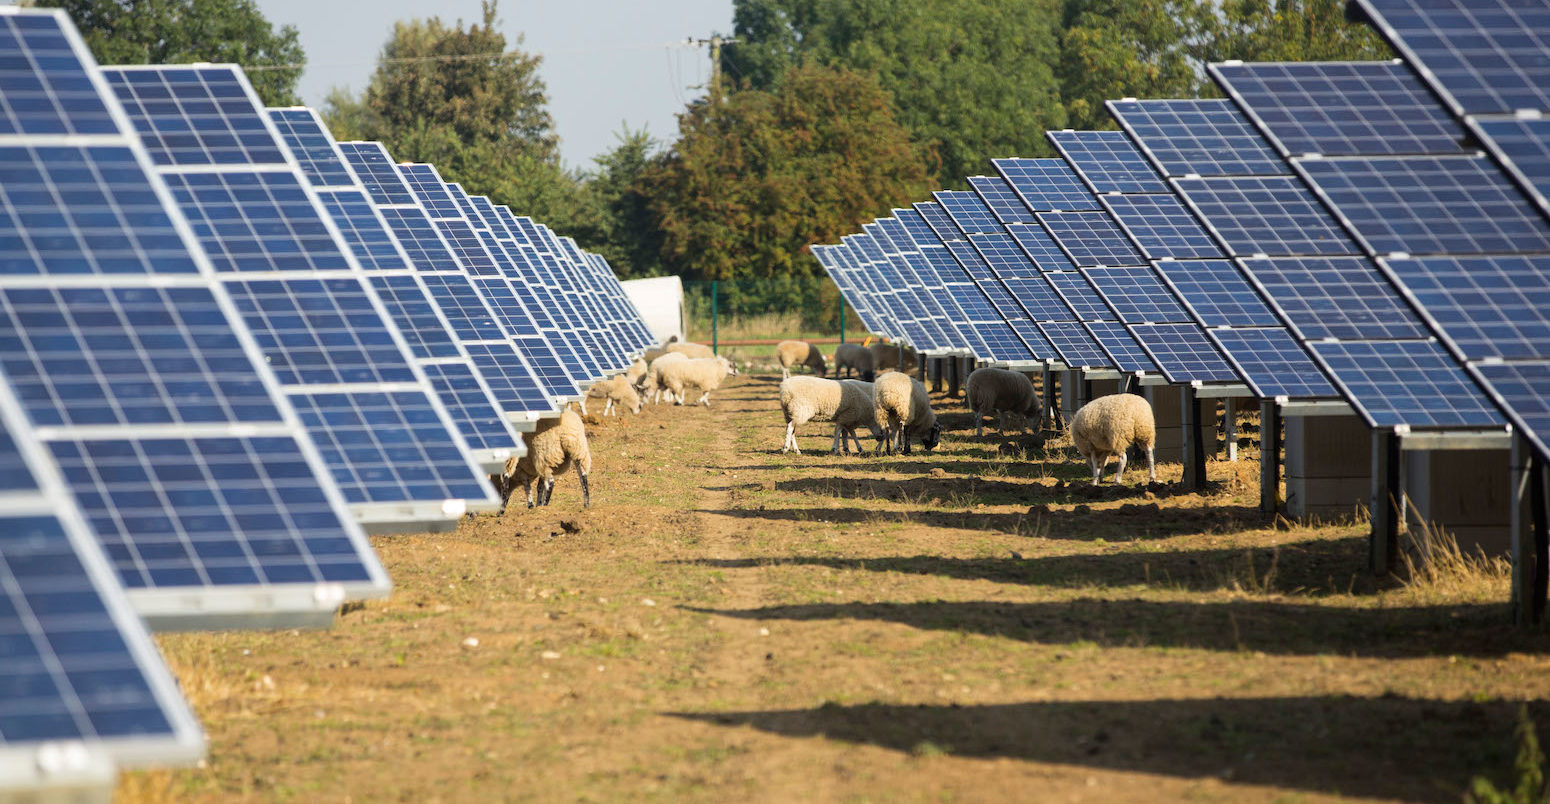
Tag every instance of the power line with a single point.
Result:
(668, 46)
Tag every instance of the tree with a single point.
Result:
(184, 31)
(1292, 30)
(1129, 48)
(625, 231)
(971, 79)
(757, 177)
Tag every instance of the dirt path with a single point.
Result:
(728, 623)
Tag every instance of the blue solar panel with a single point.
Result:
(45, 87)
(1137, 295)
(419, 238)
(1004, 203)
(1273, 363)
(1162, 226)
(377, 172)
(1341, 108)
(1075, 345)
(1522, 146)
(1200, 137)
(83, 210)
(195, 115)
(1523, 390)
(1484, 306)
(1079, 294)
(471, 404)
(1412, 383)
(1335, 297)
(320, 331)
(309, 142)
(967, 211)
(1040, 247)
(1124, 352)
(364, 230)
(1482, 56)
(1217, 293)
(1090, 238)
(939, 221)
(1108, 162)
(257, 221)
(1275, 216)
(1043, 185)
(417, 317)
(430, 191)
(1428, 205)
(1183, 353)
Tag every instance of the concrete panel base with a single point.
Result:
(1168, 411)
(1328, 467)
(1467, 492)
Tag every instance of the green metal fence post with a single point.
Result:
(715, 339)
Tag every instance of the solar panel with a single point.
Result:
(1275, 216)
(1428, 205)
(190, 116)
(1217, 293)
(1137, 295)
(313, 148)
(1485, 307)
(1207, 137)
(1412, 383)
(1075, 345)
(938, 220)
(1273, 363)
(1005, 307)
(1522, 389)
(1522, 145)
(967, 211)
(1079, 294)
(1108, 162)
(1341, 108)
(1481, 56)
(1040, 185)
(1335, 297)
(1161, 226)
(1183, 353)
(1040, 247)
(48, 88)
(1090, 238)
(1003, 202)
(1125, 353)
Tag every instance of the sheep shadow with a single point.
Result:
(1391, 747)
(1306, 569)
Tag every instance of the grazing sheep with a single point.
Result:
(847, 403)
(794, 353)
(618, 391)
(903, 410)
(652, 383)
(885, 357)
(853, 357)
(1109, 425)
(994, 391)
(636, 372)
(705, 374)
(694, 351)
(554, 447)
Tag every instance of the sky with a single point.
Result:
(607, 63)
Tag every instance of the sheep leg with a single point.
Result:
(839, 435)
(1151, 467)
(586, 491)
(1001, 420)
(545, 490)
(979, 422)
(904, 440)
(529, 485)
(791, 439)
(1092, 460)
(785, 373)
(1119, 474)
(704, 399)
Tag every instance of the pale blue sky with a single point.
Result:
(606, 62)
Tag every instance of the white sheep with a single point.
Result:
(854, 358)
(652, 383)
(1107, 426)
(903, 410)
(847, 403)
(694, 351)
(705, 374)
(552, 448)
(618, 391)
(799, 353)
(995, 392)
(885, 356)
(636, 373)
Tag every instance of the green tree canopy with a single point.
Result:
(183, 31)
(760, 175)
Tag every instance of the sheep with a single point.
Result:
(553, 447)
(903, 409)
(885, 356)
(1109, 425)
(854, 357)
(791, 353)
(652, 383)
(847, 403)
(994, 391)
(705, 374)
(694, 351)
(636, 372)
(618, 391)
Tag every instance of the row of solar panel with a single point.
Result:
(163, 238)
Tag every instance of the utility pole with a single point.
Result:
(715, 41)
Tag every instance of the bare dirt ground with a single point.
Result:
(729, 623)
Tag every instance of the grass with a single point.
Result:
(966, 625)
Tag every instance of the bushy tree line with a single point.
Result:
(833, 111)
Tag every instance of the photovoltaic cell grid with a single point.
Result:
(1090, 238)
(939, 221)
(1217, 293)
(1406, 382)
(1200, 137)
(1108, 162)
(1043, 185)
(1335, 297)
(1075, 344)
(128, 351)
(1079, 294)
(1161, 226)
(967, 211)
(1341, 108)
(1137, 295)
(1272, 362)
(1121, 346)
(45, 88)
(1522, 146)
(1003, 202)
(989, 335)
(1183, 353)
(1428, 205)
(934, 266)
(1486, 307)
(1482, 56)
(1040, 247)
(195, 116)
(1522, 389)
(1275, 216)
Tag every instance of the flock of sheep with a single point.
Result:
(878, 394)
